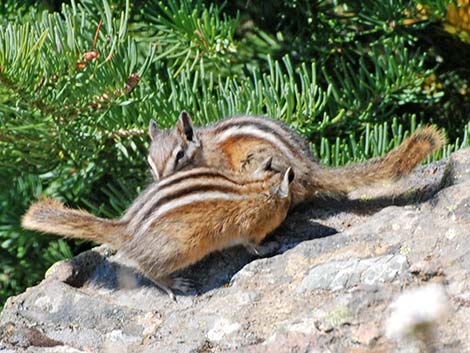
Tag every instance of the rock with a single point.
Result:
(366, 334)
(327, 289)
(337, 275)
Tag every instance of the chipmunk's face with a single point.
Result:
(172, 150)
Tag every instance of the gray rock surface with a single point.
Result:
(327, 289)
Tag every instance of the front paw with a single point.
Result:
(268, 248)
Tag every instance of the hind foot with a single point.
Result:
(170, 284)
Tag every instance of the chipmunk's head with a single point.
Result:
(172, 150)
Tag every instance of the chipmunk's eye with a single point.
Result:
(179, 155)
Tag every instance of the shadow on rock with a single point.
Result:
(217, 269)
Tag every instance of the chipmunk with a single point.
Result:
(180, 219)
(239, 143)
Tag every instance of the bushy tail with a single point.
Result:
(50, 216)
(395, 164)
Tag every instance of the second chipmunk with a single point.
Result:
(242, 142)
(180, 219)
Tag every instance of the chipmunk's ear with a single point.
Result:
(185, 126)
(153, 129)
(264, 166)
(285, 184)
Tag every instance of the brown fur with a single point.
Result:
(394, 165)
(223, 223)
(243, 152)
(51, 216)
(237, 151)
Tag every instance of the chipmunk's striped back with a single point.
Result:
(193, 186)
(260, 129)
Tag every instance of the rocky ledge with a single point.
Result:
(327, 289)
